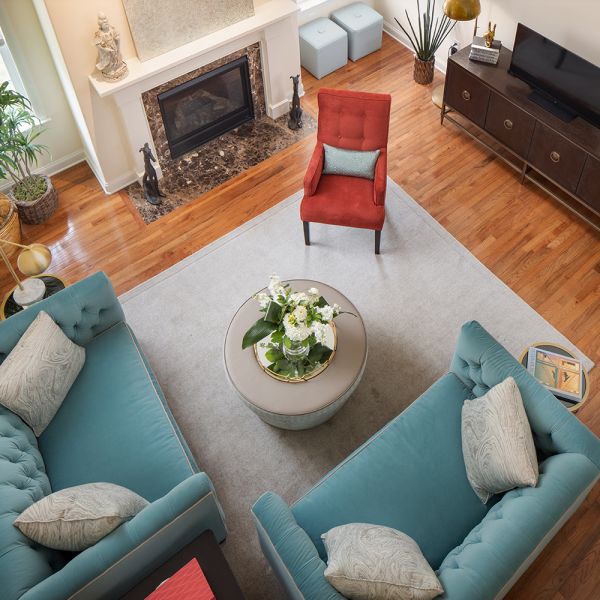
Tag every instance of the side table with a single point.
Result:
(9, 307)
(214, 566)
(556, 348)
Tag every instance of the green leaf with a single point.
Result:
(282, 365)
(273, 314)
(277, 337)
(322, 302)
(274, 354)
(261, 329)
(287, 342)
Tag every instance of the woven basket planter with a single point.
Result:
(10, 227)
(40, 210)
(423, 71)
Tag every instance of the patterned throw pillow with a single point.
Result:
(372, 562)
(75, 518)
(497, 443)
(38, 373)
(356, 163)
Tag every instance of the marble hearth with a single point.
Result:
(269, 39)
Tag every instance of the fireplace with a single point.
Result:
(207, 106)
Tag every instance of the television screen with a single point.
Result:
(551, 69)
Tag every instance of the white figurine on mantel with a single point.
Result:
(108, 41)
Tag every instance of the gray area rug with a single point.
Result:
(413, 298)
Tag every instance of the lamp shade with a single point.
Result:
(462, 10)
(34, 259)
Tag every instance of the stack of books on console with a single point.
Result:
(480, 52)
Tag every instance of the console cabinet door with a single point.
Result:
(589, 186)
(466, 94)
(556, 157)
(509, 124)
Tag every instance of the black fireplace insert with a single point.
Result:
(207, 106)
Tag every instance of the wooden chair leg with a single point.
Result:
(306, 225)
(377, 241)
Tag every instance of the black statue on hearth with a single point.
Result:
(150, 180)
(295, 120)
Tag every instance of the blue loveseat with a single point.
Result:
(113, 426)
(411, 476)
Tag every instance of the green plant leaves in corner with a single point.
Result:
(257, 332)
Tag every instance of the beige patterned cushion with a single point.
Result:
(76, 518)
(38, 373)
(497, 443)
(372, 562)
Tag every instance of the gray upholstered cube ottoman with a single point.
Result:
(364, 26)
(323, 47)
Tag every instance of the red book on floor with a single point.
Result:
(189, 583)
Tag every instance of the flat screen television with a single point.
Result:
(563, 83)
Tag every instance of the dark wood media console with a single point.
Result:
(561, 158)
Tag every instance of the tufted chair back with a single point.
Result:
(353, 120)
(82, 311)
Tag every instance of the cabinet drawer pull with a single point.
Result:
(554, 156)
(508, 124)
(466, 95)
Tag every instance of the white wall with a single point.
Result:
(571, 23)
(30, 51)
(325, 9)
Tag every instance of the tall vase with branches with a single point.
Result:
(20, 150)
(426, 39)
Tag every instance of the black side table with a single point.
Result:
(210, 558)
(9, 307)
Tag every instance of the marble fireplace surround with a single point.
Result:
(152, 107)
(273, 31)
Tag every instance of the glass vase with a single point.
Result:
(296, 352)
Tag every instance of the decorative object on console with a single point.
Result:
(372, 562)
(32, 260)
(295, 120)
(107, 40)
(157, 27)
(298, 329)
(481, 52)
(457, 10)
(432, 32)
(39, 372)
(497, 443)
(76, 518)
(341, 114)
(34, 195)
(489, 35)
(150, 180)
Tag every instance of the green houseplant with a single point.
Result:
(34, 195)
(426, 39)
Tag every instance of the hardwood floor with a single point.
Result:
(538, 248)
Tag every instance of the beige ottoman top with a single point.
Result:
(279, 397)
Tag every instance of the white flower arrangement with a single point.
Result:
(296, 322)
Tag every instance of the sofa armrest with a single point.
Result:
(129, 553)
(314, 170)
(515, 530)
(290, 552)
(480, 362)
(380, 179)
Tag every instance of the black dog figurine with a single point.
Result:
(150, 180)
(295, 120)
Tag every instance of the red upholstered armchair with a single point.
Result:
(353, 121)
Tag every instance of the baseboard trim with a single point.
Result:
(394, 32)
(53, 167)
(118, 183)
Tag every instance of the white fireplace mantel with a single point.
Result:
(274, 26)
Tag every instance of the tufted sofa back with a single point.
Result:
(353, 120)
(82, 311)
(480, 362)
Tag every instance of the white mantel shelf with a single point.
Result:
(265, 15)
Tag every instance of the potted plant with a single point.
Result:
(34, 195)
(431, 33)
